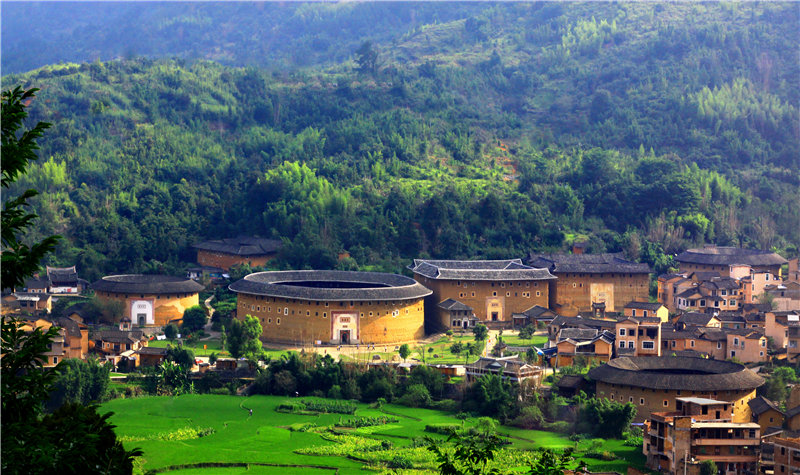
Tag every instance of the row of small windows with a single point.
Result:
(351, 303)
(501, 284)
(508, 294)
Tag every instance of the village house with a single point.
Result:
(720, 259)
(151, 356)
(561, 322)
(149, 300)
(700, 429)
(536, 316)
(458, 314)
(57, 281)
(746, 345)
(586, 279)
(646, 309)
(509, 367)
(784, 296)
(765, 413)
(654, 383)
(33, 303)
(587, 343)
(696, 319)
(786, 455)
(229, 252)
(494, 290)
(638, 336)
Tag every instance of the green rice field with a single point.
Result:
(204, 434)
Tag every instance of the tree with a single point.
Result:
(181, 357)
(74, 439)
(171, 331)
(480, 331)
(604, 418)
(243, 337)
(367, 59)
(19, 261)
(80, 382)
(457, 348)
(194, 318)
(404, 351)
(708, 467)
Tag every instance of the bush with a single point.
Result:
(219, 391)
(335, 392)
(416, 396)
(400, 461)
(563, 427)
(530, 418)
(446, 405)
(442, 428)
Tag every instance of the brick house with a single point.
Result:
(586, 279)
(494, 289)
(226, 253)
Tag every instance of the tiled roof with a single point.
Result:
(146, 284)
(587, 263)
(510, 269)
(451, 304)
(62, 274)
(760, 405)
(118, 336)
(331, 285)
(151, 350)
(695, 318)
(577, 334)
(241, 246)
(644, 306)
(673, 373)
(730, 255)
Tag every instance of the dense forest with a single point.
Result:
(487, 130)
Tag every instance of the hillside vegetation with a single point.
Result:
(640, 127)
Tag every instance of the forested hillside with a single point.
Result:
(513, 127)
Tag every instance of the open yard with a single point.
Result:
(206, 347)
(511, 339)
(188, 434)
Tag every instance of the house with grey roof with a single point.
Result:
(228, 252)
(586, 279)
(494, 289)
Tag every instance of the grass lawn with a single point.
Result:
(264, 440)
(212, 346)
(441, 348)
(513, 340)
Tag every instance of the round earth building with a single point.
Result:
(336, 307)
(652, 383)
(149, 300)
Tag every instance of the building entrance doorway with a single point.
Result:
(142, 319)
(494, 316)
(465, 323)
(344, 337)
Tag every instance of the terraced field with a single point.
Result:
(217, 434)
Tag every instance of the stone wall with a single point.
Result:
(648, 401)
(166, 307)
(303, 322)
(226, 261)
(486, 298)
(573, 292)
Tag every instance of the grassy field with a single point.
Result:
(513, 340)
(211, 346)
(165, 428)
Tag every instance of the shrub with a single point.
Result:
(219, 391)
(563, 427)
(529, 418)
(335, 392)
(442, 428)
(416, 396)
(400, 461)
(447, 405)
(366, 421)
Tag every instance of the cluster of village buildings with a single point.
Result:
(677, 357)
